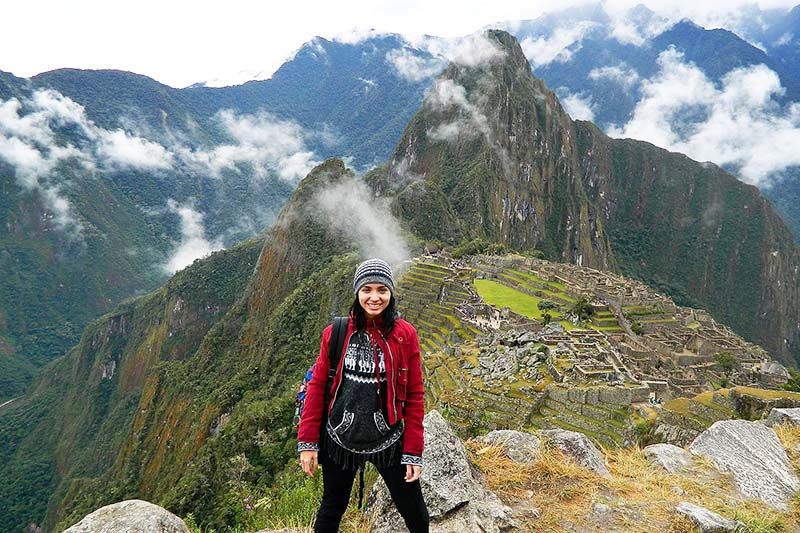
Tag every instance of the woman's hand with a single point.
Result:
(308, 460)
(412, 473)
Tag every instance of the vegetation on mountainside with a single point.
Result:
(74, 423)
(53, 285)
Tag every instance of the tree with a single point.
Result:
(546, 305)
(727, 361)
(582, 309)
(794, 381)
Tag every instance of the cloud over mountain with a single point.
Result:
(193, 244)
(366, 220)
(739, 123)
(559, 46)
(46, 130)
(428, 56)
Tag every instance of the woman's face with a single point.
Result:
(374, 298)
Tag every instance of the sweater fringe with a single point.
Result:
(349, 460)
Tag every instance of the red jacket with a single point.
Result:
(405, 392)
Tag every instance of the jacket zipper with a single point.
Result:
(394, 373)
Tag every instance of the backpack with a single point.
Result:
(334, 354)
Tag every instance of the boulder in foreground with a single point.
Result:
(754, 455)
(130, 516)
(669, 457)
(579, 448)
(457, 499)
(520, 447)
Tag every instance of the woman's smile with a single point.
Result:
(374, 298)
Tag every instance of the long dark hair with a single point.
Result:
(388, 316)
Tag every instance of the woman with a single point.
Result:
(376, 407)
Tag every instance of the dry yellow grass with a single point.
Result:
(643, 496)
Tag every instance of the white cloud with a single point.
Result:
(784, 39)
(194, 244)
(446, 94)
(634, 25)
(579, 108)
(447, 132)
(413, 66)
(427, 56)
(559, 47)
(621, 73)
(738, 124)
(263, 141)
(120, 149)
(30, 143)
(626, 32)
(367, 221)
(472, 50)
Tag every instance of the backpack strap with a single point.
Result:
(335, 346)
(334, 354)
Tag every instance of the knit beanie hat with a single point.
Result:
(373, 271)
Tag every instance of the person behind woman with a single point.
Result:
(376, 407)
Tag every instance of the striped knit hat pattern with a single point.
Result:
(373, 271)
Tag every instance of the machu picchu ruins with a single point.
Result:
(513, 342)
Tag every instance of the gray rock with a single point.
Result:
(527, 337)
(675, 434)
(553, 328)
(669, 457)
(520, 447)
(579, 448)
(601, 508)
(773, 368)
(130, 516)
(707, 521)
(457, 499)
(755, 457)
(790, 415)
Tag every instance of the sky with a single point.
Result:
(179, 42)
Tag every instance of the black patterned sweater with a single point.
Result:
(356, 430)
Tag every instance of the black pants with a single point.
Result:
(338, 483)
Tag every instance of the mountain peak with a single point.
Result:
(484, 155)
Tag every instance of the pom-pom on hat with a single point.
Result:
(373, 271)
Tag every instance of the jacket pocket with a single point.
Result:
(402, 383)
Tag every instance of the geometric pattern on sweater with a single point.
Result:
(359, 361)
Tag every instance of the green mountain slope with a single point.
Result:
(76, 419)
(177, 360)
